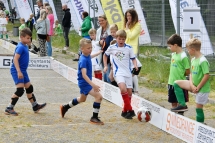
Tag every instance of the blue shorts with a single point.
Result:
(85, 89)
(23, 80)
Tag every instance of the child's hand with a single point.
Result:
(136, 68)
(101, 42)
(20, 75)
(105, 69)
(194, 89)
(96, 88)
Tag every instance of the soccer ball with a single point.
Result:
(144, 114)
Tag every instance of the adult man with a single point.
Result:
(40, 6)
(66, 24)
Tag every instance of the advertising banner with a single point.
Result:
(144, 37)
(23, 8)
(206, 47)
(13, 4)
(6, 4)
(53, 8)
(113, 12)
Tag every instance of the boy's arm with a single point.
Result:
(105, 63)
(203, 81)
(16, 64)
(187, 72)
(134, 61)
(87, 79)
(96, 54)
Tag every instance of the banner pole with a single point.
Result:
(178, 17)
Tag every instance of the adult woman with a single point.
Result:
(132, 28)
(86, 26)
(101, 35)
(50, 17)
(42, 28)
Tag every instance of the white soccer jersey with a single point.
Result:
(121, 59)
(96, 60)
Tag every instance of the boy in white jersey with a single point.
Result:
(179, 68)
(121, 55)
(198, 83)
(96, 61)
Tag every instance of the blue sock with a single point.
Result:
(96, 107)
(73, 102)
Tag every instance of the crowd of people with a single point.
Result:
(110, 54)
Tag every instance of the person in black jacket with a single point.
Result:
(40, 6)
(66, 24)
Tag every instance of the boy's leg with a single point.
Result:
(201, 99)
(96, 107)
(29, 92)
(135, 82)
(15, 97)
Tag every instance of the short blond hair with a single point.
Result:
(22, 19)
(194, 43)
(84, 42)
(113, 42)
(92, 31)
(121, 33)
(113, 27)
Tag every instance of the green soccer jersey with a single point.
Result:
(178, 66)
(200, 67)
(58, 30)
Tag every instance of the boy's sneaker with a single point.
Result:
(96, 120)
(63, 110)
(130, 114)
(38, 107)
(10, 111)
(181, 113)
(123, 114)
(179, 108)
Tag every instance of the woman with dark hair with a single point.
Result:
(132, 28)
(86, 26)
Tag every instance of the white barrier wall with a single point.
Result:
(179, 126)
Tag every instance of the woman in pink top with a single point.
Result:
(50, 16)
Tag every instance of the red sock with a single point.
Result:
(130, 98)
(127, 104)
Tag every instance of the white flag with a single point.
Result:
(144, 37)
(24, 8)
(13, 4)
(6, 4)
(206, 47)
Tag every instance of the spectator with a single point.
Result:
(3, 29)
(101, 34)
(42, 26)
(40, 6)
(86, 25)
(50, 16)
(45, 4)
(22, 26)
(66, 24)
(58, 29)
(30, 23)
(132, 28)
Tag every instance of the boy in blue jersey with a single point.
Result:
(121, 55)
(20, 76)
(85, 82)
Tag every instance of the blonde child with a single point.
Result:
(198, 83)
(121, 54)
(58, 29)
(96, 61)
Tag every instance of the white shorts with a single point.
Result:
(202, 98)
(96, 67)
(126, 80)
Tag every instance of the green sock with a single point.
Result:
(179, 94)
(200, 115)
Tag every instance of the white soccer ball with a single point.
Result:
(144, 114)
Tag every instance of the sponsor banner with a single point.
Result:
(144, 37)
(13, 4)
(74, 22)
(34, 63)
(72, 75)
(179, 126)
(204, 134)
(63, 70)
(23, 8)
(53, 8)
(207, 47)
(55, 65)
(6, 4)
(98, 11)
(113, 12)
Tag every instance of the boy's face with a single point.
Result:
(173, 48)
(93, 36)
(190, 51)
(120, 41)
(113, 33)
(26, 39)
(86, 49)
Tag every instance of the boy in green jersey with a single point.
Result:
(198, 83)
(179, 68)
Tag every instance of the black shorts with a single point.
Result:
(172, 97)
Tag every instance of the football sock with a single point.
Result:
(127, 104)
(96, 107)
(200, 115)
(73, 102)
(34, 103)
(130, 98)
(135, 83)
(179, 94)
(114, 83)
(13, 102)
